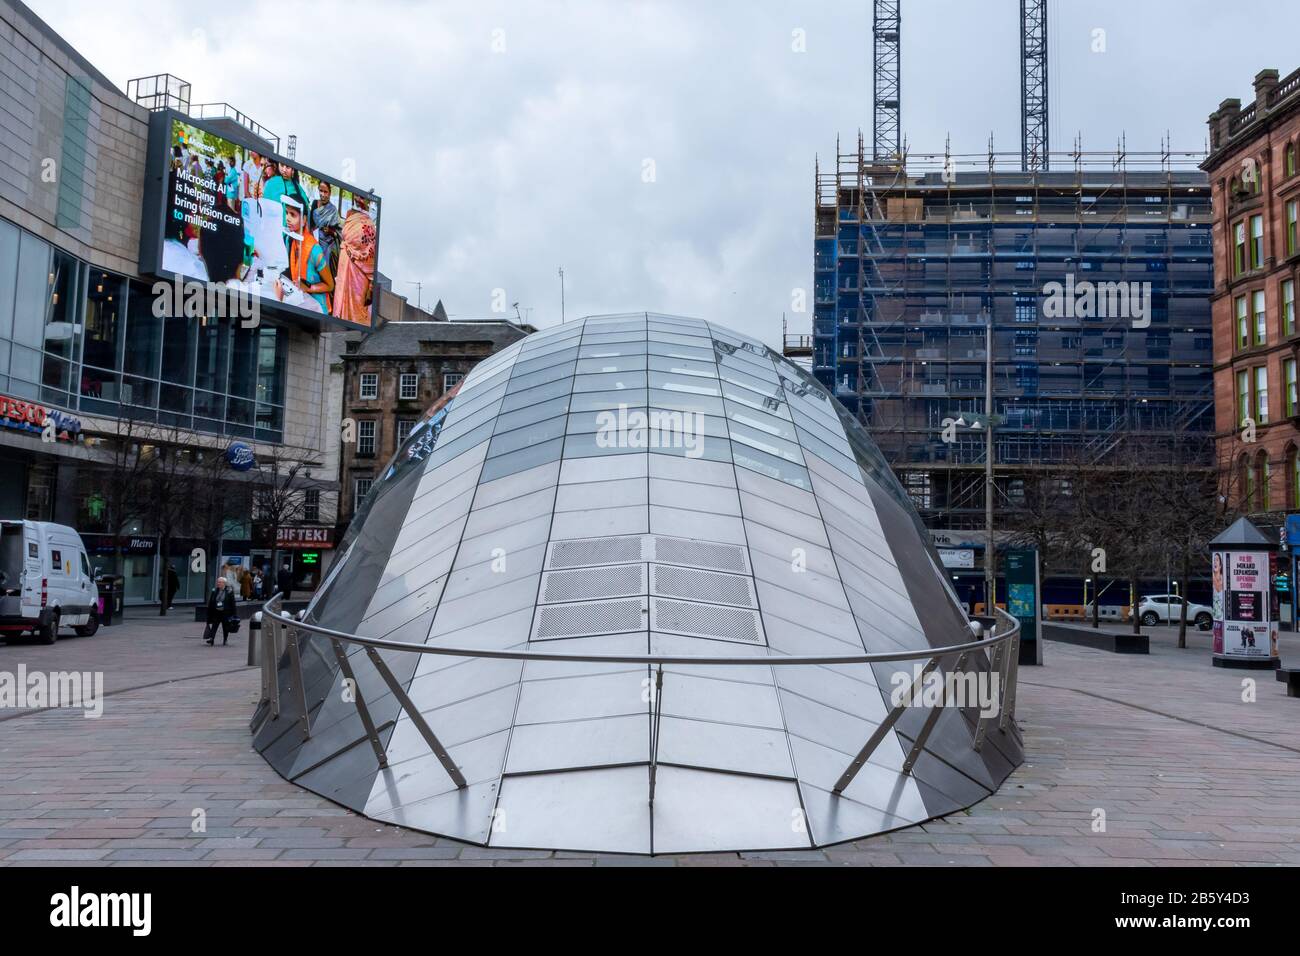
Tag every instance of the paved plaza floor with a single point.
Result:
(1185, 770)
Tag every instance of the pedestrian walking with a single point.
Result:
(221, 612)
(284, 581)
(171, 583)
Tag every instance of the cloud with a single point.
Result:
(508, 139)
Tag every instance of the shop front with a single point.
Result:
(305, 547)
(144, 574)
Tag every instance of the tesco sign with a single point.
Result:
(23, 415)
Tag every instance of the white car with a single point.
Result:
(1168, 609)
(45, 581)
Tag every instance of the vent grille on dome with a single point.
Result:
(586, 620)
(580, 552)
(590, 584)
(693, 584)
(705, 620)
(723, 557)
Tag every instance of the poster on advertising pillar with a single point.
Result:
(1245, 628)
(1248, 627)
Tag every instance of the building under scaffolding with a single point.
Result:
(912, 262)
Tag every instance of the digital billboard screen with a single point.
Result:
(262, 225)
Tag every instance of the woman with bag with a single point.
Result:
(221, 611)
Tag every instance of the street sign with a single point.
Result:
(957, 557)
(1022, 599)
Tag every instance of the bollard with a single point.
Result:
(254, 639)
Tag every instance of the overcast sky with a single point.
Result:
(507, 139)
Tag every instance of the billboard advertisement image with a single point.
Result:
(1244, 625)
(262, 225)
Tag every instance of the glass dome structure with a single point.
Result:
(635, 484)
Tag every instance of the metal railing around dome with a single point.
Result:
(281, 650)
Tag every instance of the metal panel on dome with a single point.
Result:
(649, 488)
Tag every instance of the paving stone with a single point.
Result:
(1141, 738)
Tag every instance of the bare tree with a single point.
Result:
(172, 490)
(1187, 510)
(1044, 517)
(216, 499)
(280, 492)
(123, 479)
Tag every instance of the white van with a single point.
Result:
(45, 581)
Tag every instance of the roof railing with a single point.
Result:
(282, 646)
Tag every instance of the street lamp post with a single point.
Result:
(990, 551)
(990, 548)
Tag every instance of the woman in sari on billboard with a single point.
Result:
(325, 224)
(356, 264)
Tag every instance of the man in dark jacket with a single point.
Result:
(284, 580)
(171, 583)
(221, 609)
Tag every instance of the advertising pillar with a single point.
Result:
(1242, 565)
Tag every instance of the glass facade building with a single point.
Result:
(635, 484)
(126, 374)
(910, 271)
(87, 340)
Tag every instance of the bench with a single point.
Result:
(1291, 677)
(1103, 639)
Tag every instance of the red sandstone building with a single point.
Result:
(1255, 182)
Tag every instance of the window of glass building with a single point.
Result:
(143, 360)
(62, 328)
(9, 238)
(102, 342)
(84, 339)
(242, 392)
